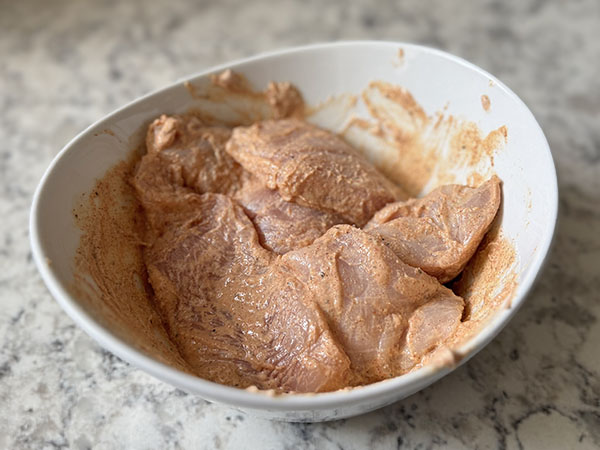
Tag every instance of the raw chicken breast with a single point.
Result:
(196, 152)
(312, 167)
(183, 157)
(260, 281)
(235, 317)
(440, 232)
(282, 226)
(432, 323)
(161, 190)
(371, 300)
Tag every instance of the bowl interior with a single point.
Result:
(437, 81)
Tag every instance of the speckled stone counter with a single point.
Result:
(65, 64)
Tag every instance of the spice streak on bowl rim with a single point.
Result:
(370, 396)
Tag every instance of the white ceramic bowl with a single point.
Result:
(435, 79)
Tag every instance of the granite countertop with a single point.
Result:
(65, 64)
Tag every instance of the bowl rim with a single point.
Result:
(212, 391)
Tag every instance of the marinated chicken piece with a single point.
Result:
(196, 151)
(440, 232)
(312, 167)
(282, 226)
(377, 306)
(183, 156)
(236, 318)
(256, 274)
(302, 353)
(161, 190)
(431, 324)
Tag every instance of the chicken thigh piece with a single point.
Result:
(236, 318)
(312, 167)
(440, 232)
(371, 300)
(282, 226)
